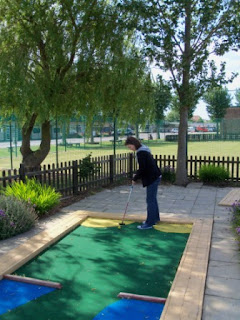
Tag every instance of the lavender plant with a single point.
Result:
(168, 174)
(16, 216)
(236, 217)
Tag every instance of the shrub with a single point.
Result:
(16, 216)
(211, 174)
(42, 197)
(2, 190)
(168, 174)
(87, 168)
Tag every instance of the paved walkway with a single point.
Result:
(222, 294)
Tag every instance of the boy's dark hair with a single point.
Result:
(134, 141)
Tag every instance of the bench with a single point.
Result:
(73, 145)
(116, 141)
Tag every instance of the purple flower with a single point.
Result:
(12, 224)
(236, 208)
(238, 230)
(2, 214)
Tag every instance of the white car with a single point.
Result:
(174, 130)
(191, 129)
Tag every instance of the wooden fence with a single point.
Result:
(66, 177)
(205, 137)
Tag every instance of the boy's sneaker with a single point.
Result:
(144, 226)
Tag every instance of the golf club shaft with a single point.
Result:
(127, 202)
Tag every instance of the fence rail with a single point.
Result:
(205, 137)
(66, 177)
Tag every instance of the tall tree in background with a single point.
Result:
(217, 100)
(237, 96)
(173, 115)
(179, 36)
(162, 95)
(54, 57)
(128, 96)
(175, 107)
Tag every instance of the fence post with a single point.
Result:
(111, 167)
(22, 172)
(75, 177)
(130, 159)
(4, 180)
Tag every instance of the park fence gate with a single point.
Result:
(66, 177)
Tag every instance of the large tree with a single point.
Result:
(180, 36)
(54, 58)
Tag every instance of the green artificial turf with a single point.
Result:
(95, 264)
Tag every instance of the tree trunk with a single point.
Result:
(92, 136)
(32, 159)
(158, 128)
(181, 173)
(137, 131)
(184, 94)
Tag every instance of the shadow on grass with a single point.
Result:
(95, 264)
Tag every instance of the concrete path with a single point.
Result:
(222, 294)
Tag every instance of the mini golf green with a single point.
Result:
(94, 264)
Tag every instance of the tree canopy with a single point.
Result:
(179, 37)
(163, 96)
(217, 100)
(65, 58)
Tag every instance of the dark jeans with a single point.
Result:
(152, 204)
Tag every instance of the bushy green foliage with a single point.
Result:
(42, 197)
(87, 167)
(168, 174)
(1, 190)
(211, 173)
(16, 216)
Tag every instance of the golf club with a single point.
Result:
(122, 223)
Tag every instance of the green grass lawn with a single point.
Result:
(211, 148)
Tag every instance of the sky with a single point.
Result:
(232, 60)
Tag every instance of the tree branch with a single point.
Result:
(43, 55)
(204, 42)
(165, 20)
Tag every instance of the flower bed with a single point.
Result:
(236, 218)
